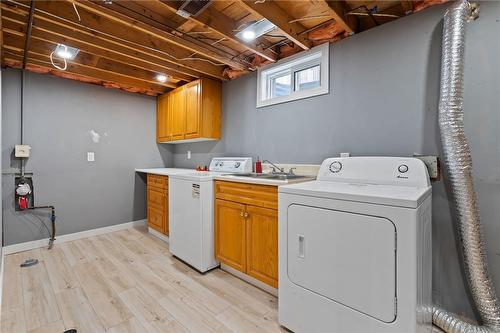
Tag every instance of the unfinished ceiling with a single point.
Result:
(126, 44)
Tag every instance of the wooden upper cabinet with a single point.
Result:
(192, 112)
(162, 118)
(193, 108)
(177, 114)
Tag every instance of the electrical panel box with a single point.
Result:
(26, 182)
(22, 151)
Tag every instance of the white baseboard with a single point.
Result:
(69, 237)
(249, 279)
(2, 269)
(158, 234)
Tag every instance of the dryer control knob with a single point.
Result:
(335, 167)
(403, 168)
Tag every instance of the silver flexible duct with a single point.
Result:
(458, 163)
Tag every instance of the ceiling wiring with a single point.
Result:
(76, 11)
(63, 68)
(122, 39)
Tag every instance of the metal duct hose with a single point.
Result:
(458, 163)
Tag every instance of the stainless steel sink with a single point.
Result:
(272, 176)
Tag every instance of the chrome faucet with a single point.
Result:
(275, 167)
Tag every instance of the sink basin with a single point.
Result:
(272, 176)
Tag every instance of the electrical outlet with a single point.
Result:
(90, 156)
(189, 154)
(22, 151)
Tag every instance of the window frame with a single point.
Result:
(318, 55)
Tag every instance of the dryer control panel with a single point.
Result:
(398, 171)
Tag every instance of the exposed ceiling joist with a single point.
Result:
(339, 10)
(93, 74)
(187, 43)
(41, 50)
(280, 18)
(225, 26)
(44, 31)
(100, 30)
(407, 6)
(142, 14)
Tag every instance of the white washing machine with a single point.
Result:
(355, 248)
(191, 211)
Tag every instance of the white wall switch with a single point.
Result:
(90, 156)
(22, 151)
(189, 154)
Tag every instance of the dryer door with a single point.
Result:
(346, 257)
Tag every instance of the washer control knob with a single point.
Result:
(237, 165)
(335, 167)
(403, 168)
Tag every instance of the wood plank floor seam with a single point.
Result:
(125, 282)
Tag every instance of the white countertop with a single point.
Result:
(165, 171)
(225, 177)
(262, 181)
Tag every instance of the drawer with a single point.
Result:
(157, 198)
(157, 181)
(157, 220)
(250, 194)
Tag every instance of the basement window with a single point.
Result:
(300, 76)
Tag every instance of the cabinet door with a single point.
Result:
(193, 110)
(157, 210)
(161, 118)
(230, 247)
(262, 244)
(178, 113)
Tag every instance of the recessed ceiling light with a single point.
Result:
(161, 78)
(248, 35)
(256, 29)
(66, 52)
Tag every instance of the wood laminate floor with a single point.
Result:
(126, 281)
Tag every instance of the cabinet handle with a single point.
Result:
(246, 215)
(242, 214)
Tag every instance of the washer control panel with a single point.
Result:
(231, 164)
(401, 171)
(335, 166)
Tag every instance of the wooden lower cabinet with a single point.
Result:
(230, 234)
(262, 244)
(157, 203)
(246, 235)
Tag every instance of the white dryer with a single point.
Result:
(355, 248)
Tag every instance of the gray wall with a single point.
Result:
(59, 114)
(383, 101)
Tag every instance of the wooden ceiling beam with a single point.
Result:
(61, 21)
(190, 44)
(225, 26)
(277, 15)
(140, 13)
(41, 50)
(339, 8)
(89, 74)
(407, 6)
(62, 36)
